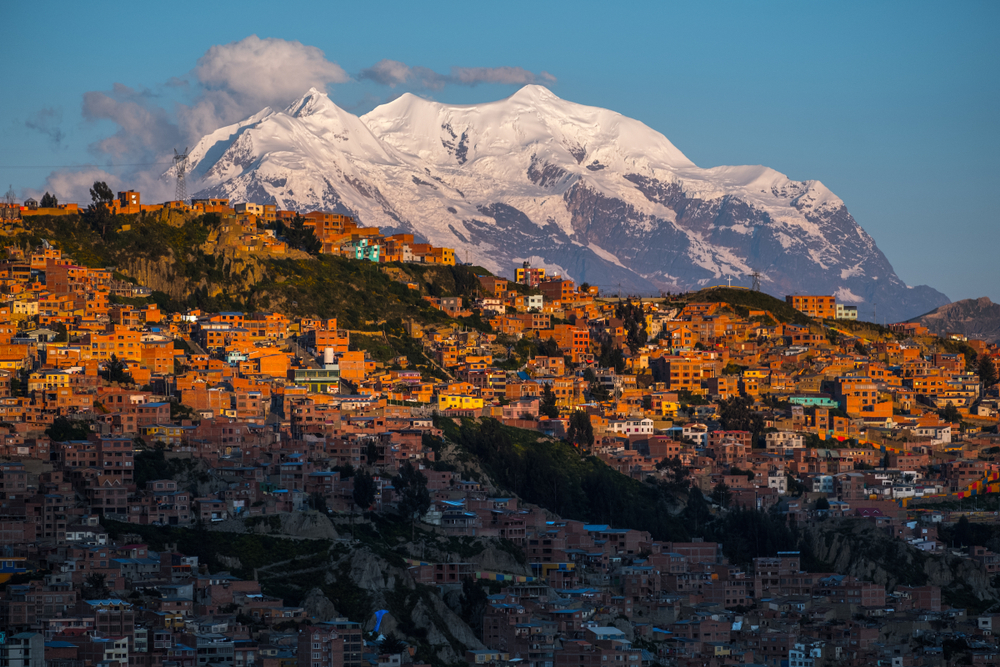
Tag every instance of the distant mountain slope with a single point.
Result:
(580, 190)
(976, 318)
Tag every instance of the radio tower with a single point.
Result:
(180, 166)
(756, 281)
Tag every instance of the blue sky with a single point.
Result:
(893, 105)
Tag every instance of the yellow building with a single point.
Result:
(665, 408)
(48, 380)
(459, 402)
(22, 309)
(13, 363)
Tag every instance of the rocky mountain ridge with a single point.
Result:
(582, 191)
(975, 318)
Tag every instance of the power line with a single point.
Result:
(81, 166)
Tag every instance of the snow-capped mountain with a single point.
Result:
(579, 190)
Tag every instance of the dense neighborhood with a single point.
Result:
(121, 419)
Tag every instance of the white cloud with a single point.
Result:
(471, 76)
(74, 186)
(241, 78)
(143, 127)
(47, 121)
(228, 83)
(393, 73)
(387, 72)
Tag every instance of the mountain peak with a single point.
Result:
(534, 92)
(580, 190)
(313, 100)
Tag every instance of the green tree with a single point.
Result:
(48, 201)
(414, 498)
(987, 371)
(962, 533)
(721, 495)
(549, 348)
(633, 317)
(392, 645)
(795, 487)
(371, 453)
(298, 235)
(116, 370)
(318, 502)
(610, 356)
(697, 512)
(101, 193)
(580, 431)
(822, 504)
(547, 406)
(98, 215)
(95, 587)
(19, 383)
(737, 414)
(950, 413)
(63, 430)
(676, 472)
(473, 603)
(596, 389)
(364, 490)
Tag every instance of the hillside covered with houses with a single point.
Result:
(239, 436)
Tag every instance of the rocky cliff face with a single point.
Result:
(976, 318)
(362, 576)
(859, 549)
(416, 614)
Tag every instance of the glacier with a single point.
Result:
(604, 197)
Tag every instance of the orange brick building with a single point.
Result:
(824, 307)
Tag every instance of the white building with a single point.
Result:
(822, 484)
(845, 312)
(697, 433)
(939, 435)
(783, 441)
(642, 426)
(779, 483)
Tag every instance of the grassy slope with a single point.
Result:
(359, 294)
(745, 300)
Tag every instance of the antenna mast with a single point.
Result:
(180, 165)
(756, 281)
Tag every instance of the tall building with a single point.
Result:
(25, 649)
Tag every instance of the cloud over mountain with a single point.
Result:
(229, 82)
(393, 73)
